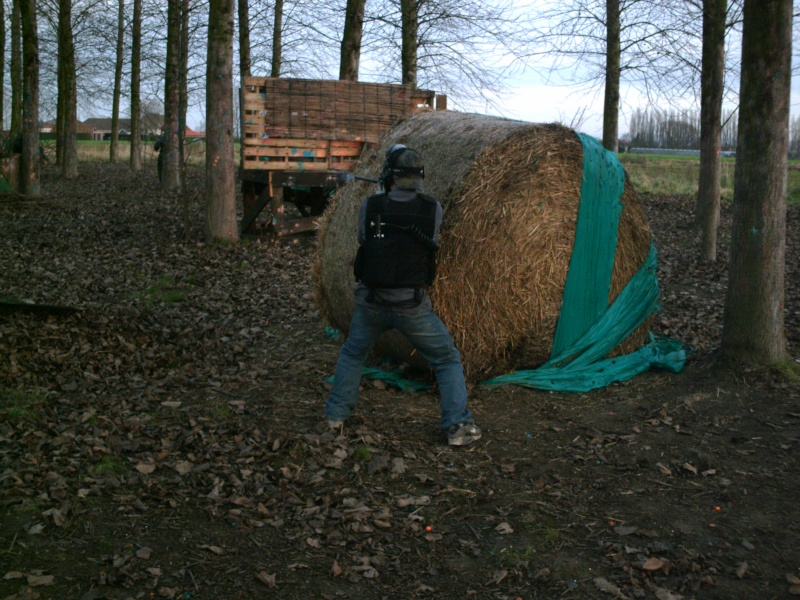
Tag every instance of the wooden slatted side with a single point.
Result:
(317, 109)
(281, 154)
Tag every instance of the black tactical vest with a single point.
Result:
(398, 249)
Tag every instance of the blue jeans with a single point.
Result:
(428, 335)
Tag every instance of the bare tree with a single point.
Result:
(753, 324)
(16, 70)
(711, 93)
(454, 50)
(171, 165)
(301, 39)
(586, 42)
(66, 129)
(183, 98)
(612, 77)
(410, 32)
(136, 77)
(351, 40)
(794, 137)
(221, 221)
(114, 148)
(244, 64)
(29, 161)
(277, 40)
(2, 62)
(183, 106)
(244, 38)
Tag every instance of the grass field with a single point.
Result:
(671, 174)
(90, 150)
(652, 173)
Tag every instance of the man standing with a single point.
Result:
(398, 233)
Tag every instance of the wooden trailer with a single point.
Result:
(300, 133)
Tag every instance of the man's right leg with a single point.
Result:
(367, 324)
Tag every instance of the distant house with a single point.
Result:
(191, 134)
(85, 127)
(150, 125)
(102, 127)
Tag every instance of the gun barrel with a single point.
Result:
(370, 179)
(345, 177)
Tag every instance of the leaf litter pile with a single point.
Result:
(161, 433)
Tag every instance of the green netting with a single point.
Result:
(394, 378)
(588, 370)
(588, 329)
(589, 277)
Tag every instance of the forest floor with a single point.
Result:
(161, 433)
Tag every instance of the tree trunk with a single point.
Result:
(136, 78)
(2, 63)
(410, 26)
(753, 326)
(244, 38)
(69, 119)
(171, 153)
(613, 69)
(29, 161)
(351, 40)
(244, 63)
(61, 104)
(277, 40)
(220, 174)
(16, 70)
(114, 149)
(183, 105)
(183, 89)
(711, 89)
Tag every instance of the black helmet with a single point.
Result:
(403, 167)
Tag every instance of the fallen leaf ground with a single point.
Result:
(165, 439)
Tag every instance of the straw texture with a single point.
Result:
(511, 192)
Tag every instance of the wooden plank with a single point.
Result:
(288, 143)
(254, 163)
(340, 121)
(278, 207)
(294, 153)
(296, 226)
(254, 81)
(299, 153)
(331, 109)
(317, 86)
(354, 152)
(255, 119)
(343, 165)
(338, 135)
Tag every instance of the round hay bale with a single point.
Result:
(511, 192)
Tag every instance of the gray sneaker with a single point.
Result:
(462, 434)
(332, 424)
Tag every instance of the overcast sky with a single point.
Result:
(531, 98)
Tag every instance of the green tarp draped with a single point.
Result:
(588, 329)
(588, 369)
(394, 378)
(589, 277)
